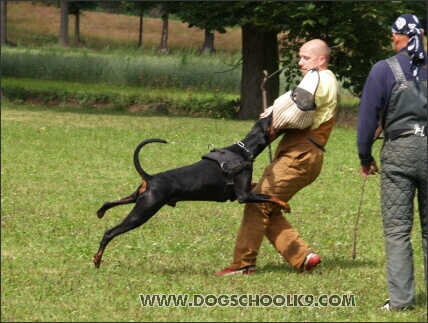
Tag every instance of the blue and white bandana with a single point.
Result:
(409, 25)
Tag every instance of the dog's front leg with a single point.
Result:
(243, 188)
(252, 197)
(284, 205)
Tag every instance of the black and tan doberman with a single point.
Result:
(222, 175)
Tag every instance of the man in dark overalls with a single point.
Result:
(395, 98)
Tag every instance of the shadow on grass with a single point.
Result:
(282, 268)
(327, 264)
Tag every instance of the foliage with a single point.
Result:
(209, 15)
(108, 97)
(76, 7)
(211, 107)
(357, 31)
(59, 165)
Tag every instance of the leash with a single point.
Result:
(354, 243)
(376, 136)
(265, 106)
(262, 87)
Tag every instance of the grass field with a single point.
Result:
(59, 165)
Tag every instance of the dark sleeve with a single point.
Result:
(373, 98)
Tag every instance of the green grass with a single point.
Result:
(184, 84)
(147, 101)
(59, 165)
(128, 68)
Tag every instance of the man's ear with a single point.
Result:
(395, 39)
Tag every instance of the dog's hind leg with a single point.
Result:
(108, 205)
(139, 215)
(125, 200)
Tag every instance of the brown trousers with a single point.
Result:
(297, 163)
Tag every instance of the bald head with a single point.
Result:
(319, 47)
(314, 54)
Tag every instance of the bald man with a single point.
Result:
(297, 163)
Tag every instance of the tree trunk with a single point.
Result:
(63, 29)
(3, 22)
(208, 46)
(259, 53)
(140, 31)
(163, 46)
(77, 41)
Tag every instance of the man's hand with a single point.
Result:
(370, 169)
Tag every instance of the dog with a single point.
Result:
(221, 175)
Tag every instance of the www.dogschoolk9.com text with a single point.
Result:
(247, 300)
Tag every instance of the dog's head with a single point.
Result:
(269, 131)
(261, 135)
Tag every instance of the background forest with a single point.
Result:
(265, 36)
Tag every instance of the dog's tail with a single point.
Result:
(137, 164)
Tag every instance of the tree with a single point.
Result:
(3, 31)
(259, 53)
(209, 16)
(63, 25)
(208, 44)
(357, 31)
(138, 8)
(75, 8)
(260, 23)
(163, 45)
(259, 44)
(166, 8)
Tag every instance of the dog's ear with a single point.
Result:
(270, 132)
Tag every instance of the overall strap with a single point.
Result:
(397, 71)
(401, 82)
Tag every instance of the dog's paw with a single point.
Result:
(97, 260)
(287, 208)
(100, 214)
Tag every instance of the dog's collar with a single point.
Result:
(248, 153)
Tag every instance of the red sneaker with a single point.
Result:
(312, 260)
(244, 270)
